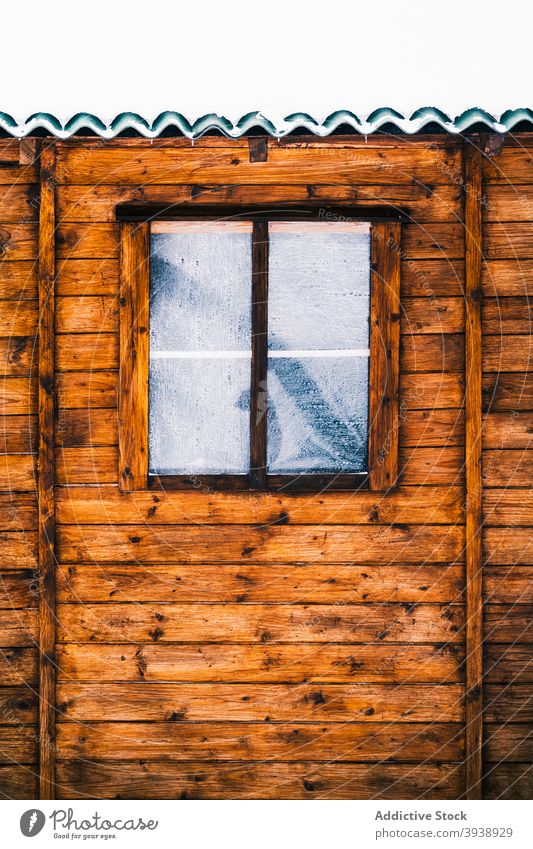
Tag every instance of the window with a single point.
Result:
(259, 350)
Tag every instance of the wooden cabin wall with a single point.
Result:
(19, 584)
(238, 645)
(508, 470)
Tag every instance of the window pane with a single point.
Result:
(200, 348)
(318, 338)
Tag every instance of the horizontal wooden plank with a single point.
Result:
(508, 507)
(250, 702)
(18, 472)
(87, 241)
(18, 434)
(354, 741)
(9, 151)
(87, 314)
(510, 742)
(506, 664)
(507, 315)
(285, 166)
(11, 174)
(18, 241)
(20, 203)
(282, 544)
(87, 351)
(18, 745)
(507, 430)
(512, 165)
(87, 389)
(508, 781)
(508, 546)
(19, 782)
(18, 355)
(436, 352)
(509, 703)
(508, 623)
(296, 662)
(86, 465)
(18, 395)
(431, 391)
(18, 627)
(238, 584)
(18, 549)
(18, 589)
(432, 428)
(18, 511)
(18, 280)
(201, 780)
(85, 428)
(18, 705)
(432, 278)
(507, 278)
(18, 666)
(98, 203)
(508, 584)
(432, 315)
(431, 466)
(108, 504)
(433, 241)
(508, 203)
(508, 240)
(508, 467)
(87, 277)
(18, 318)
(507, 353)
(254, 623)
(508, 391)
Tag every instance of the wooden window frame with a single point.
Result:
(382, 474)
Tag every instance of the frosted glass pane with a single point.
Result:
(319, 285)
(200, 348)
(200, 296)
(317, 417)
(199, 416)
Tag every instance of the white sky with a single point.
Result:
(280, 56)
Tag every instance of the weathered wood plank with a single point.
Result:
(18, 782)
(201, 780)
(239, 584)
(18, 434)
(18, 705)
(507, 430)
(432, 466)
(258, 742)
(18, 589)
(508, 203)
(508, 240)
(510, 742)
(18, 241)
(513, 165)
(18, 318)
(250, 702)
(507, 623)
(115, 622)
(87, 241)
(296, 662)
(18, 511)
(507, 353)
(18, 280)
(18, 355)
(508, 546)
(434, 278)
(20, 203)
(18, 627)
(508, 664)
(504, 584)
(432, 315)
(431, 391)
(87, 351)
(508, 781)
(439, 353)
(508, 467)
(114, 165)
(87, 389)
(108, 504)
(98, 203)
(507, 277)
(508, 507)
(507, 315)
(18, 472)
(282, 544)
(18, 745)
(512, 392)
(510, 703)
(18, 549)
(87, 314)
(433, 241)
(86, 465)
(84, 428)
(18, 665)
(18, 395)
(87, 277)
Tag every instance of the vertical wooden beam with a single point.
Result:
(134, 355)
(46, 474)
(473, 411)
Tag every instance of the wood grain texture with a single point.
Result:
(382, 663)
(383, 436)
(18, 355)
(507, 278)
(46, 478)
(513, 392)
(507, 353)
(473, 447)
(134, 341)
(507, 315)
(508, 781)
(19, 280)
(508, 507)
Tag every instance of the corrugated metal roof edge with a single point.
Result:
(83, 121)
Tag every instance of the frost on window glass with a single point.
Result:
(200, 344)
(318, 339)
